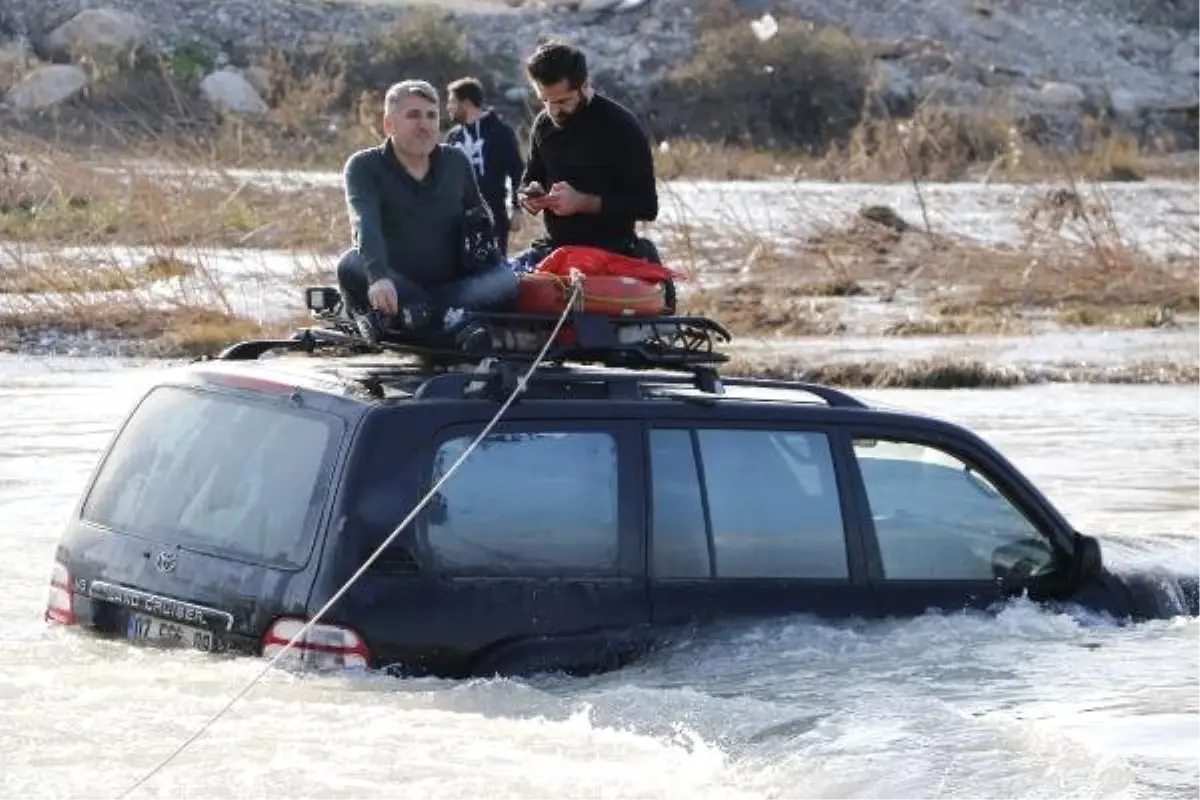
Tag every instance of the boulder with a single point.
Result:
(1057, 93)
(1125, 103)
(230, 91)
(1185, 57)
(101, 34)
(47, 86)
(597, 5)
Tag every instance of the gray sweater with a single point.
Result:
(407, 227)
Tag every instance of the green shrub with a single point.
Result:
(805, 86)
(426, 45)
(190, 62)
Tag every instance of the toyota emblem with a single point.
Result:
(166, 562)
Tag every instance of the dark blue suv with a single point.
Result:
(609, 510)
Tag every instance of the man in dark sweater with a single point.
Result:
(490, 144)
(414, 207)
(590, 169)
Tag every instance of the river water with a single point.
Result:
(1026, 703)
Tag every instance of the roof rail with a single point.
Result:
(836, 398)
(496, 379)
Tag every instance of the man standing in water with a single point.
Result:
(423, 243)
(490, 144)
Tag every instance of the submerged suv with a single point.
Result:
(608, 510)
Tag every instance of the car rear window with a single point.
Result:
(236, 476)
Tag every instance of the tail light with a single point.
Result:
(60, 602)
(321, 646)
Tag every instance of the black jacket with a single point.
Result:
(490, 144)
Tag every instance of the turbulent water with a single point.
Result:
(1024, 704)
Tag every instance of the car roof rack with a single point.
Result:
(645, 352)
(631, 342)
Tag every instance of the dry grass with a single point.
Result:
(54, 276)
(950, 373)
(73, 201)
(961, 325)
(1136, 316)
(935, 144)
(772, 285)
(812, 115)
(1093, 278)
(170, 333)
(754, 308)
(917, 374)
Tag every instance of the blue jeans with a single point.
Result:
(490, 289)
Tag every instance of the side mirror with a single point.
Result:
(1087, 564)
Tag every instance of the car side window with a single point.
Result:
(679, 534)
(936, 518)
(773, 503)
(527, 503)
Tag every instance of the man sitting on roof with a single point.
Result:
(590, 170)
(424, 247)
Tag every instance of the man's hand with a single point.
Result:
(516, 220)
(565, 200)
(382, 296)
(533, 197)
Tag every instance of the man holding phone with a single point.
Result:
(590, 170)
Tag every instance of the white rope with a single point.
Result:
(576, 286)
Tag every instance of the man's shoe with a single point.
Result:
(453, 319)
(415, 317)
(468, 336)
(474, 340)
(370, 325)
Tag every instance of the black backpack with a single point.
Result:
(480, 249)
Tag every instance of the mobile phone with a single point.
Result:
(533, 191)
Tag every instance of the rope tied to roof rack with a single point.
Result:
(576, 291)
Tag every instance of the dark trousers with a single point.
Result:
(501, 224)
(490, 289)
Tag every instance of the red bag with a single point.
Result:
(543, 293)
(594, 261)
(613, 284)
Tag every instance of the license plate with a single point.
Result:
(146, 628)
